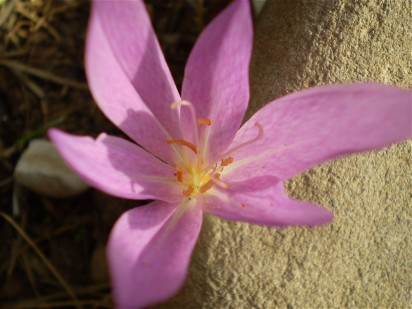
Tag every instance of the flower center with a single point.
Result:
(197, 179)
(193, 172)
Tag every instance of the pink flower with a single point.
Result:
(191, 155)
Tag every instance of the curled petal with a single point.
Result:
(312, 126)
(216, 77)
(148, 257)
(267, 205)
(117, 167)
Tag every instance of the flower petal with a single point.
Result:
(117, 167)
(217, 74)
(128, 75)
(316, 125)
(149, 259)
(266, 206)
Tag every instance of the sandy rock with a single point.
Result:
(363, 258)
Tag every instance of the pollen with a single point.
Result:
(227, 161)
(194, 174)
(188, 191)
(209, 184)
(179, 175)
(206, 121)
(183, 143)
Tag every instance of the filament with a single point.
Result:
(181, 209)
(192, 113)
(210, 183)
(217, 181)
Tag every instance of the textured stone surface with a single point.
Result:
(363, 258)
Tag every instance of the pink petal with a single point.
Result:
(148, 258)
(267, 205)
(117, 167)
(316, 125)
(128, 75)
(217, 74)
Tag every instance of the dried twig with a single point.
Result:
(29, 274)
(56, 299)
(42, 74)
(30, 84)
(55, 233)
(58, 304)
(6, 11)
(41, 255)
(40, 22)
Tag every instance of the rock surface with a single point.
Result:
(363, 258)
(42, 169)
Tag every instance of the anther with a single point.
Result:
(206, 121)
(209, 184)
(183, 143)
(218, 182)
(227, 161)
(188, 191)
(179, 175)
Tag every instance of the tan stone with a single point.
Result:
(363, 258)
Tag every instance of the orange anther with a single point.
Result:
(207, 121)
(183, 143)
(227, 161)
(188, 191)
(179, 175)
(206, 186)
(209, 184)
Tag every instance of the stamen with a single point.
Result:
(181, 209)
(209, 184)
(183, 143)
(253, 140)
(193, 116)
(227, 161)
(206, 121)
(218, 182)
(188, 191)
(179, 175)
(174, 105)
(206, 186)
